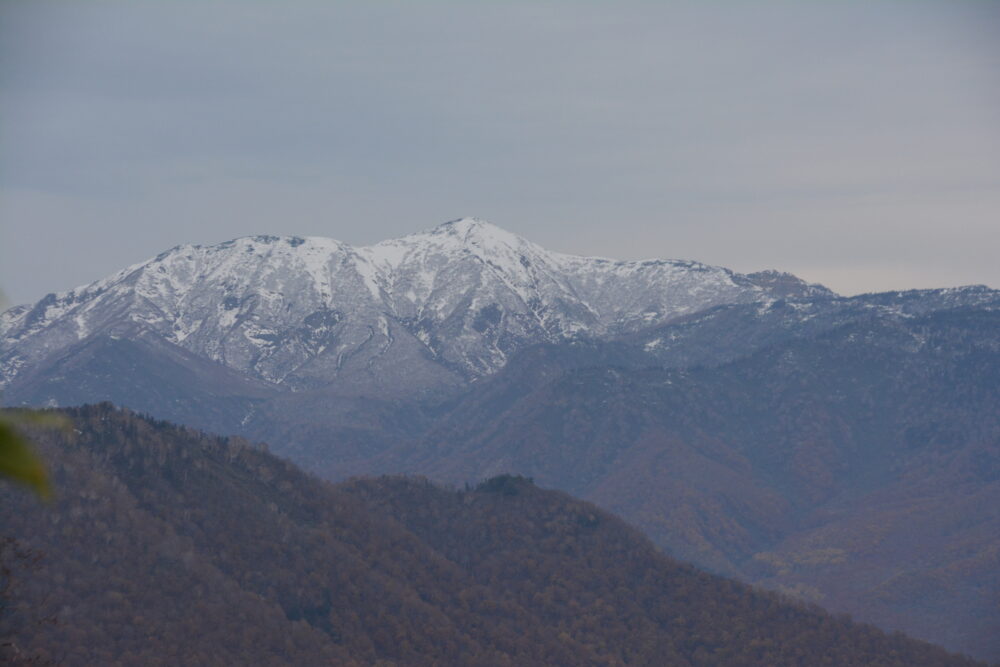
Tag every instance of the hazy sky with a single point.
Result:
(854, 143)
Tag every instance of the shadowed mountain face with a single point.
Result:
(840, 449)
(165, 545)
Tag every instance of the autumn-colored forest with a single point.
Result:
(166, 546)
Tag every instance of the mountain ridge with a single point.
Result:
(430, 310)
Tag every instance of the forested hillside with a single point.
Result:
(168, 546)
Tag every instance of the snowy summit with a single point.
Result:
(439, 306)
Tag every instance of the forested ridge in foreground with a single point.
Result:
(168, 546)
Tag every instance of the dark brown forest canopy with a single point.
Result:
(168, 546)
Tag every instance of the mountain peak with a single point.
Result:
(477, 231)
(466, 224)
(454, 238)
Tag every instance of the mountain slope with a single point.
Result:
(727, 332)
(857, 467)
(169, 546)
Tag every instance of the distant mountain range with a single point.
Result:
(845, 450)
(168, 546)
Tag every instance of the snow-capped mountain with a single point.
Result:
(429, 309)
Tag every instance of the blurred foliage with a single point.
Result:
(18, 460)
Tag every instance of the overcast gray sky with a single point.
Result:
(854, 143)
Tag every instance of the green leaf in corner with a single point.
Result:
(19, 462)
